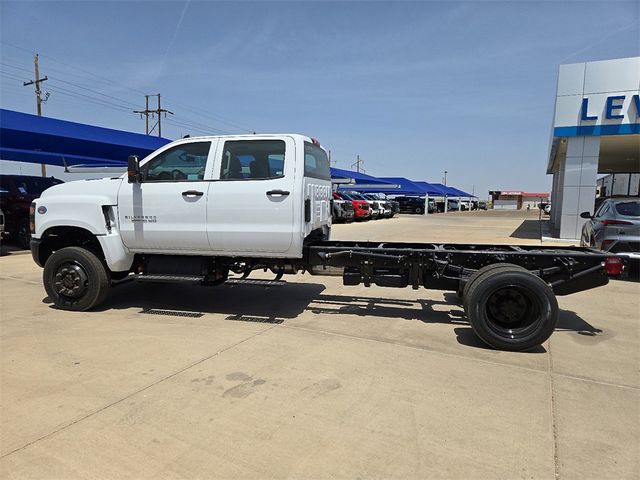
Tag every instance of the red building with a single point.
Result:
(516, 199)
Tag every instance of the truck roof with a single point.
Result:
(251, 135)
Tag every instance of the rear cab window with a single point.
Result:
(316, 162)
(252, 160)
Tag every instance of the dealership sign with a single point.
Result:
(524, 194)
(613, 108)
(597, 114)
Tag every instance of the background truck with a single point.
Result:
(213, 209)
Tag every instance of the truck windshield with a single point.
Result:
(316, 163)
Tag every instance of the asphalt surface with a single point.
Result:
(314, 379)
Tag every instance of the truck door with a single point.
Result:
(251, 200)
(167, 211)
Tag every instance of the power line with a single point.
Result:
(53, 87)
(201, 112)
(206, 114)
(58, 89)
(125, 102)
(207, 130)
(128, 104)
(177, 120)
(73, 66)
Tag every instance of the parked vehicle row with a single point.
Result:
(349, 206)
(16, 194)
(415, 204)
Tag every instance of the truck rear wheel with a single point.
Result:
(511, 309)
(75, 279)
(462, 292)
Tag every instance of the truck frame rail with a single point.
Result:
(448, 266)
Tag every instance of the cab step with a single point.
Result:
(255, 282)
(198, 280)
(170, 278)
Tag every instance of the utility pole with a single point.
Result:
(36, 83)
(357, 164)
(157, 112)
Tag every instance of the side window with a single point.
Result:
(316, 163)
(184, 162)
(252, 160)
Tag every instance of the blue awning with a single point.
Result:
(408, 187)
(452, 191)
(30, 138)
(391, 186)
(432, 189)
(357, 177)
(461, 193)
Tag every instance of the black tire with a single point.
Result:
(23, 234)
(75, 279)
(474, 276)
(511, 309)
(419, 210)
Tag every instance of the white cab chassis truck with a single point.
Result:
(209, 210)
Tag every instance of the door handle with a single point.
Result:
(192, 193)
(283, 193)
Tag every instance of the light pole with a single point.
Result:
(445, 178)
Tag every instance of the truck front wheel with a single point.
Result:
(75, 279)
(511, 309)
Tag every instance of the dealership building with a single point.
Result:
(596, 132)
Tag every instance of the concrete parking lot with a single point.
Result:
(314, 379)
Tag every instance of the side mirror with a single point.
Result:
(133, 169)
(586, 215)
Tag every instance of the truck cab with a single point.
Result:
(229, 196)
(206, 198)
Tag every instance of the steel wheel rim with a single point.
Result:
(512, 311)
(70, 280)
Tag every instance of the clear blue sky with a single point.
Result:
(415, 88)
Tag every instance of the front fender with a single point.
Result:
(72, 211)
(116, 255)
